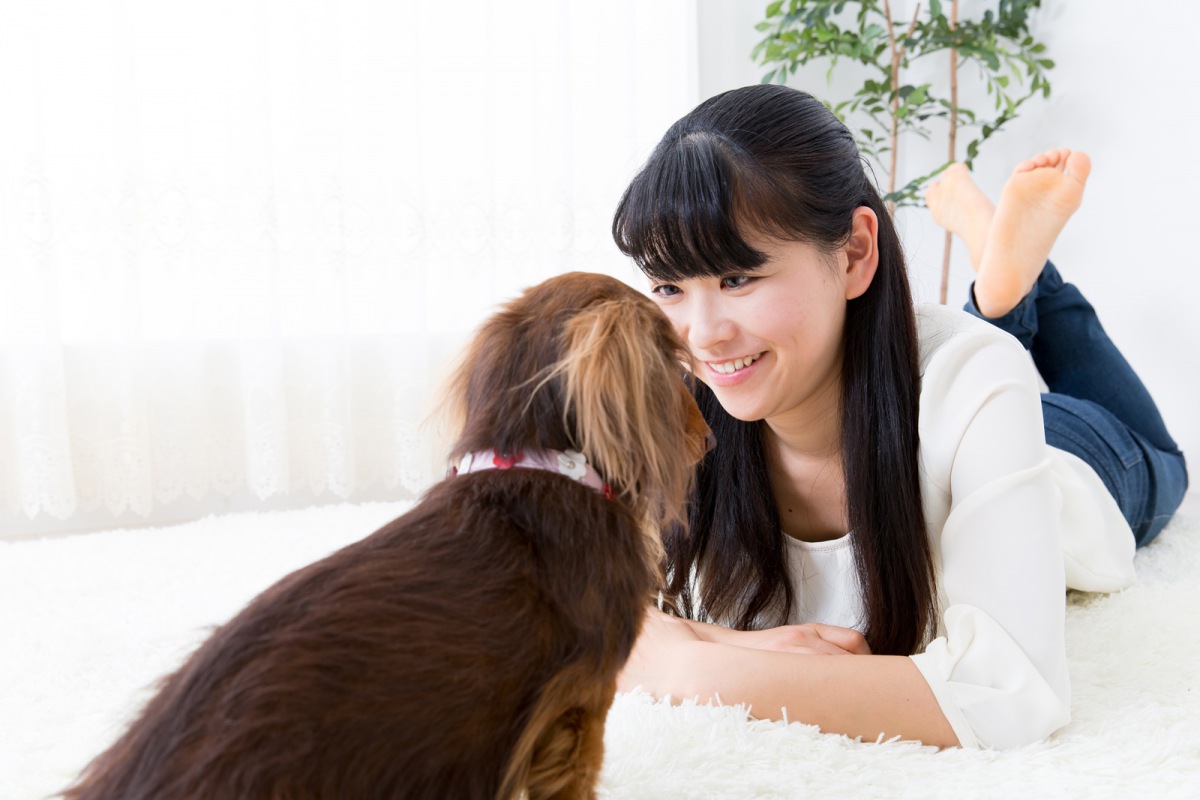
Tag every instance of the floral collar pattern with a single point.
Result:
(570, 463)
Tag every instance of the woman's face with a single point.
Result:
(768, 342)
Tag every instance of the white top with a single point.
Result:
(1012, 521)
(826, 584)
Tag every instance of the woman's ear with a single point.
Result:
(862, 252)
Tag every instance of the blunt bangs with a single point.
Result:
(680, 217)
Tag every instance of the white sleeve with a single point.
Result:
(998, 668)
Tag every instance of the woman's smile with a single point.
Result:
(733, 371)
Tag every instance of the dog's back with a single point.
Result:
(477, 636)
(471, 647)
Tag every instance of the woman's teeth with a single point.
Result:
(728, 367)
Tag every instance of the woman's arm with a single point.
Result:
(999, 664)
(865, 696)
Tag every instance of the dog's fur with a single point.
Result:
(469, 648)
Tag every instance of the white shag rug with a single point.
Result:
(88, 622)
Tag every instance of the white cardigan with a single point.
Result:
(1012, 522)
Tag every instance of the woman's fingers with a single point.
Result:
(847, 639)
(816, 645)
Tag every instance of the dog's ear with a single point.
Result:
(624, 387)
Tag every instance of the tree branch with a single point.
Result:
(897, 51)
(953, 138)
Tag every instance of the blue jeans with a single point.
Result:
(1097, 407)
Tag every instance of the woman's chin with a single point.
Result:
(746, 412)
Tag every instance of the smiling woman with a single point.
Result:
(240, 238)
(888, 485)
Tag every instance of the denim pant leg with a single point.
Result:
(1097, 408)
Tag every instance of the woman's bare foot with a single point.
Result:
(1036, 203)
(961, 207)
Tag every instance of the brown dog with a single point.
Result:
(471, 647)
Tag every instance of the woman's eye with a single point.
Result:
(734, 281)
(665, 290)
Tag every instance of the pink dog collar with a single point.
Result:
(565, 462)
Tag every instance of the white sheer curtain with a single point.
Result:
(239, 238)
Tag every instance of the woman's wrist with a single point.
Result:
(714, 634)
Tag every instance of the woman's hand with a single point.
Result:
(813, 638)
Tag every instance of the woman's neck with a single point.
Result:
(804, 459)
(812, 430)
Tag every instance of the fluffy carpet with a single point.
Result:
(87, 623)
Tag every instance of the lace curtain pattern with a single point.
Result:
(240, 240)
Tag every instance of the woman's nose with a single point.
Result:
(708, 326)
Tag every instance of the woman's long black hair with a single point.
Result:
(773, 160)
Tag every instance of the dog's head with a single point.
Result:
(586, 363)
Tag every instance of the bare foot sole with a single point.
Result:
(1036, 203)
(961, 207)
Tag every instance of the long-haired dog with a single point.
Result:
(471, 647)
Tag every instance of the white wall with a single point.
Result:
(1124, 90)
